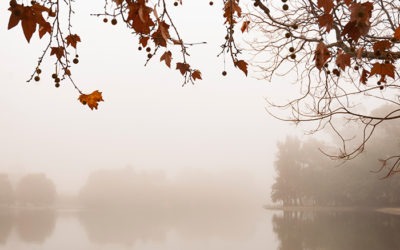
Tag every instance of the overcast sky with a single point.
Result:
(148, 120)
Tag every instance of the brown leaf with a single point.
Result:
(28, 23)
(348, 2)
(38, 9)
(196, 75)
(383, 69)
(242, 65)
(57, 51)
(397, 33)
(143, 40)
(183, 67)
(343, 60)
(17, 12)
(364, 76)
(327, 5)
(167, 57)
(139, 17)
(245, 26)
(118, 2)
(352, 31)
(322, 54)
(73, 40)
(30, 16)
(230, 8)
(361, 12)
(44, 28)
(326, 20)
(382, 46)
(359, 23)
(92, 99)
(161, 36)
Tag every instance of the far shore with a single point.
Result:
(386, 210)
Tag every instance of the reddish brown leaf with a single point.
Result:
(382, 46)
(143, 40)
(73, 40)
(326, 20)
(361, 12)
(57, 51)
(245, 26)
(17, 12)
(352, 31)
(230, 8)
(327, 5)
(38, 9)
(28, 23)
(397, 33)
(322, 54)
(343, 60)
(139, 17)
(183, 67)
(348, 2)
(161, 36)
(44, 28)
(383, 69)
(30, 16)
(359, 23)
(167, 57)
(242, 65)
(92, 99)
(364, 76)
(196, 75)
(118, 2)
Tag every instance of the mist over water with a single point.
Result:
(135, 209)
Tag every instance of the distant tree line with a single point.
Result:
(129, 187)
(305, 176)
(31, 190)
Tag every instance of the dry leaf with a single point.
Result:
(242, 65)
(196, 75)
(92, 99)
(73, 40)
(167, 57)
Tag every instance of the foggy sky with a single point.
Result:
(147, 120)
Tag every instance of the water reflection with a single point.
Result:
(129, 227)
(6, 223)
(337, 230)
(35, 225)
(122, 228)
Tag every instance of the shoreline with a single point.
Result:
(385, 210)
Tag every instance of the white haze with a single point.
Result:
(148, 121)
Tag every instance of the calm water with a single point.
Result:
(259, 229)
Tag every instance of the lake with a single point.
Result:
(210, 230)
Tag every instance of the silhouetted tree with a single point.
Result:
(36, 189)
(6, 190)
(305, 175)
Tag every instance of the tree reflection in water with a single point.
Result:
(35, 225)
(130, 227)
(6, 223)
(337, 230)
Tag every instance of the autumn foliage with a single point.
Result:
(326, 43)
(151, 25)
